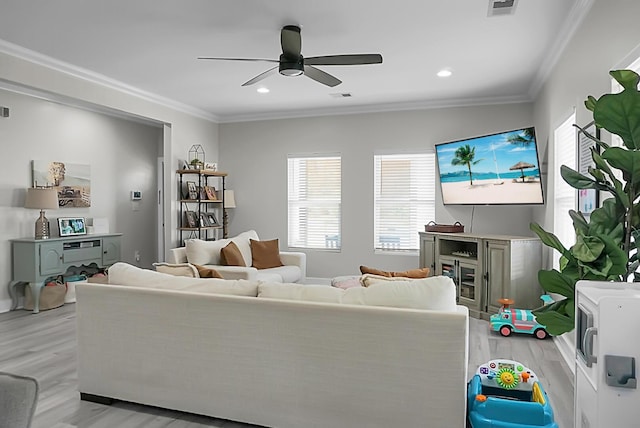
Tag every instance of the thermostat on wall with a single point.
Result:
(136, 195)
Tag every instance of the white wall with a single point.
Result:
(125, 152)
(122, 156)
(255, 156)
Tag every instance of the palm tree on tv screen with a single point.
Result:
(465, 155)
(524, 138)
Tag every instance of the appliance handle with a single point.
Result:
(587, 345)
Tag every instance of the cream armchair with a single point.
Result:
(207, 253)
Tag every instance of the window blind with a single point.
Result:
(404, 199)
(314, 201)
(564, 196)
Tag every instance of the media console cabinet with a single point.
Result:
(36, 260)
(486, 268)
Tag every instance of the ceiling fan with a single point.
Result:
(292, 63)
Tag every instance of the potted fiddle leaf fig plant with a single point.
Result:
(606, 243)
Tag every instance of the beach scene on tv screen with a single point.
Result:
(494, 169)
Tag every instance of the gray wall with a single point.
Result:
(255, 156)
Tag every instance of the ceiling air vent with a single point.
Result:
(502, 7)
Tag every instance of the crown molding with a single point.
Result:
(376, 108)
(102, 80)
(577, 14)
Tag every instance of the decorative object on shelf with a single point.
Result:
(42, 199)
(211, 193)
(71, 181)
(211, 219)
(432, 226)
(229, 202)
(192, 219)
(196, 156)
(193, 191)
(204, 222)
(184, 165)
(71, 226)
(210, 166)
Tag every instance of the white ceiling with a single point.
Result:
(152, 45)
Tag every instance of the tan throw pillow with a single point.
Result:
(413, 273)
(206, 272)
(368, 279)
(265, 254)
(231, 255)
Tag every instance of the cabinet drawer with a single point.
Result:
(82, 254)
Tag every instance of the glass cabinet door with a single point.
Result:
(468, 282)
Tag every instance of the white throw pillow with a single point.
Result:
(128, 275)
(434, 293)
(201, 252)
(287, 291)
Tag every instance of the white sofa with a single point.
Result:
(207, 253)
(210, 347)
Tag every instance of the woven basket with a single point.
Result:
(432, 226)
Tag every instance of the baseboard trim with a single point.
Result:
(96, 398)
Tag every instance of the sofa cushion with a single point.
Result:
(177, 269)
(434, 293)
(230, 255)
(412, 273)
(288, 273)
(128, 275)
(289, 291)
(265, 254)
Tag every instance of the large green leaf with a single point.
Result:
(627, 161)
(553, 281)
(577, 180)
(555, 318)
(620, 113)
(549, 239)
(579, 222)
(587, 248)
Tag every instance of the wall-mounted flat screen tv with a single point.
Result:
(496, 169)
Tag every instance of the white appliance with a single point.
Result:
(607, 353)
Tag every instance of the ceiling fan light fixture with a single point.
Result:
(444, 73)
(289, 67)
(263, 90)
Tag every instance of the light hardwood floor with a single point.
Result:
(43, 346)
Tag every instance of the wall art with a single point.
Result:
(72, 181)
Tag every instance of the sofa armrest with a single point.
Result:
(236, 272)
(294, 258)
(178, 255)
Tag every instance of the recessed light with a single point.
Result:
(263, 90)
(444, 73)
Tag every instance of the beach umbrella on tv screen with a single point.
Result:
(521, 166)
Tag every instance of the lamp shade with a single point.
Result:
(41, 199)
(229, 199)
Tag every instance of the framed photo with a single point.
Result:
(71, 226)
(211, 219)
(211, 166)
(191, 218)
(203, 220)
(211, 193)
(588, 199)
(184, 165)
(193, 191)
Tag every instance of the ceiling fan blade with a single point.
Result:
(320, 76)
(238, 59)
(355, 59)
(291, 41)
(261, 76)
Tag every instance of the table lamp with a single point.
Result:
(42, 199)
(229, 202)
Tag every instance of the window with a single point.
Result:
(564, 196)
(314, 201)
(404, 199)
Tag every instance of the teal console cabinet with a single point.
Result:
(35, 260)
